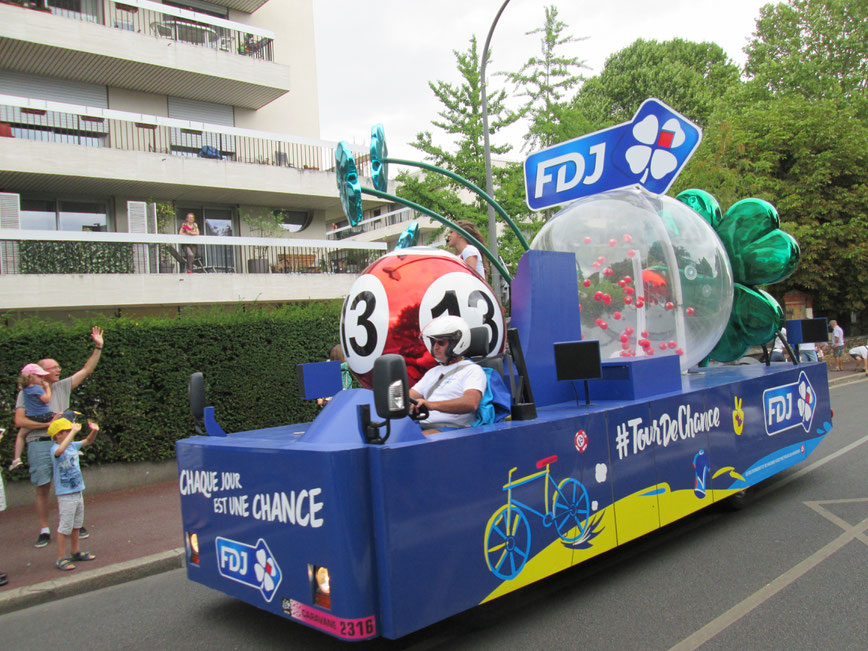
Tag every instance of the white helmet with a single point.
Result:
(453, 328)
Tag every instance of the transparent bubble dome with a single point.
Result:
(654, 278)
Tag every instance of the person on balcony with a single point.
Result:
(189, 227)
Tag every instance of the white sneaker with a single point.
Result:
(15, 463)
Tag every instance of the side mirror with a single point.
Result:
(391, 387)
(196, 394)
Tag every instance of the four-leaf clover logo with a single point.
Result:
(653, 154)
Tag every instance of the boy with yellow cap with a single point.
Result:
(68, 486)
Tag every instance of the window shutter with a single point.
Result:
(10, 217)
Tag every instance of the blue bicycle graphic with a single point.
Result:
(507, 534)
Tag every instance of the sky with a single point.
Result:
(376, 57)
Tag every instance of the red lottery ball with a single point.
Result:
(628, 279)
(596, 265)
(644, 343)
(662, 345)
(690, 311)
(628, 299)
(644, 333)
(616, 315)
(621, 282)
(604, 325)
(396, 296)
(629, 330)
(587, 240)
(607, 300)
(672, 344)
(608, 271)
(613, 242)
(631, 253)
(587, 282)
(670, 305)
(624, 338)
(679, 351)
(598, 296)
(598, 320)
(629, 290)
(601, 259)
(640, 301)
(627, 238)
(625, 345)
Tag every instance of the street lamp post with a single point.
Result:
(489, 184)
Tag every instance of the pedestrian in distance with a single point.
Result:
(837, 345)
(69, 486)
(37, 439)
(3, 578)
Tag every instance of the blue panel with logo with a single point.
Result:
(650, 151)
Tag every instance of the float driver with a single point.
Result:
(451, 390)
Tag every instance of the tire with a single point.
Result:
(507, 542)
(571, 507)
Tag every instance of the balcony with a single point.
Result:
(383, 228)
(145, 46)
(144, 155)
(50, 269)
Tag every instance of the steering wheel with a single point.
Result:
(421, 414)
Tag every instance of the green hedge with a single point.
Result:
(76, 257)
(138, 392)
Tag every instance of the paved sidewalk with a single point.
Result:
(133, 533)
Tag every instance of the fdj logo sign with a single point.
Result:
(252, 566)
(649, 151)
(789, 406)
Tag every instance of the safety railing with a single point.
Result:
(374, 223)
(60, 252)
(33, 119)
(164, 22)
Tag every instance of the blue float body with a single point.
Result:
(408, 529)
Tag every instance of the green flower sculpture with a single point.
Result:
(760, 253)
(379, 153)
(348, 183)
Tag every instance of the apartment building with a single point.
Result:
(117, 119)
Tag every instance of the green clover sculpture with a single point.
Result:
(348, 183)
(379, 153)
(760, 253)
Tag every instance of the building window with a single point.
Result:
(294, 221)
(52, 215)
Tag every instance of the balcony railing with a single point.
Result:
(164, 22)
(60, 252)
(374, 223)
(33, 119)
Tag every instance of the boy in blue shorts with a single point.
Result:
(68, 486)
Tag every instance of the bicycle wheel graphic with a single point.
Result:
(507, 542)
(570, 508)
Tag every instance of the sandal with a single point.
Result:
(82, 556)
(64, 564)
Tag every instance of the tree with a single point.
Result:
(812, 48)
(809, 159)
(690, 77)
(544, 81)
(461, 120)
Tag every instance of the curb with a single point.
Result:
(848, 379)
(41, 593)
